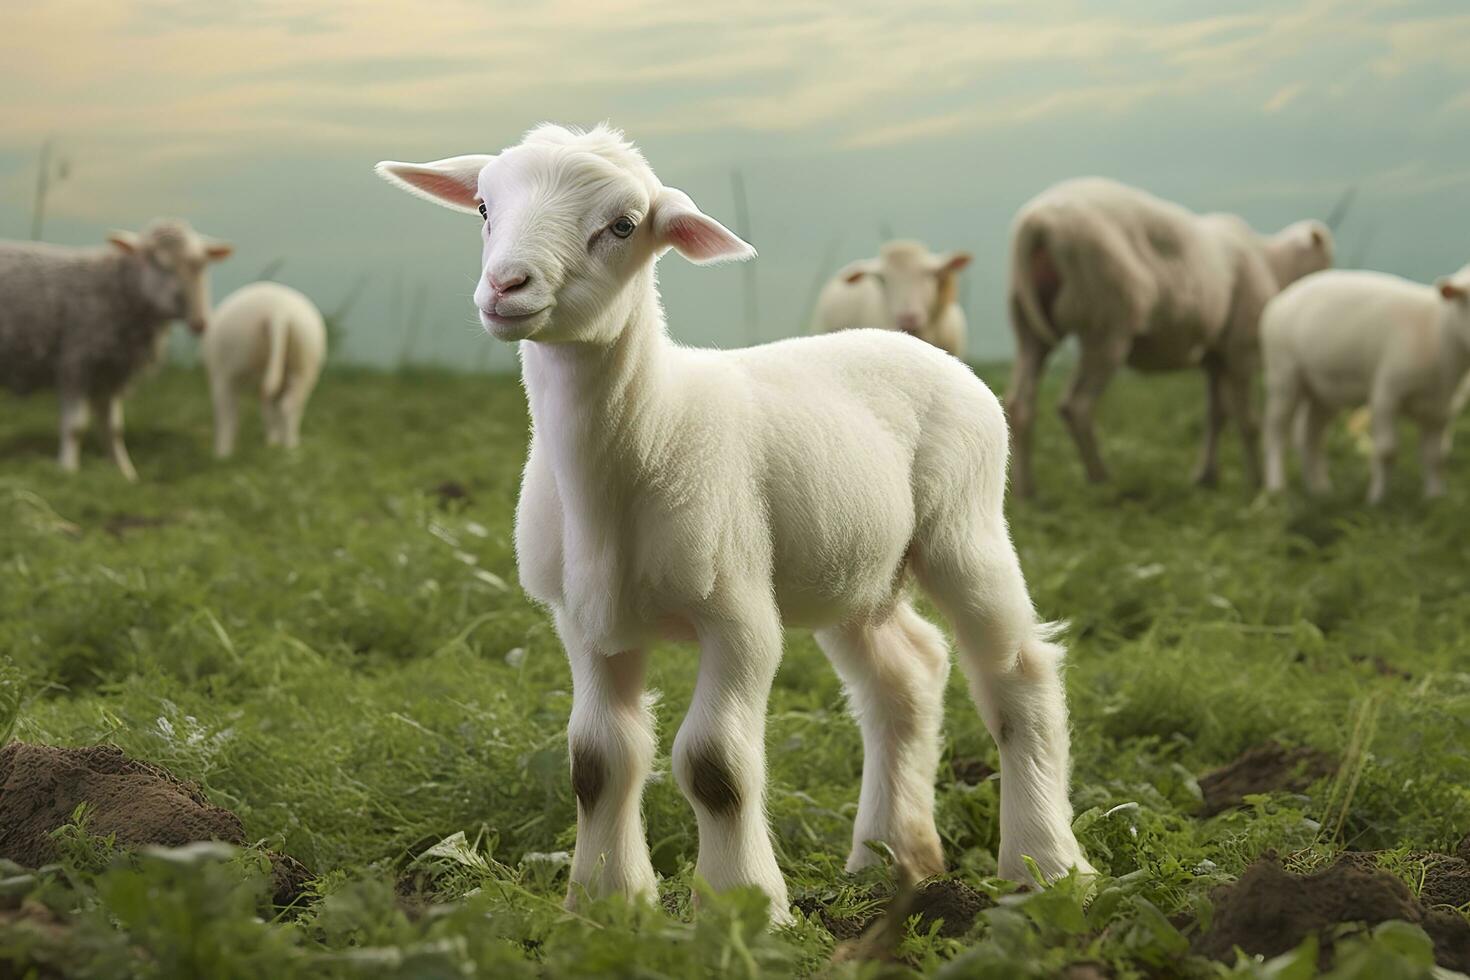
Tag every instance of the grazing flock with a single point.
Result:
(674, 493)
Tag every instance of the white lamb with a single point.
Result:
(271, 337)
(906, 288)
(1339, 339)
(715, 495)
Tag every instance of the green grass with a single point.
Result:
(345, 660)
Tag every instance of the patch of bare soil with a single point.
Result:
(954, 904)
(971, 772)
(1446, 877)
(118, 525)
(1269, 911)
(450, 491)
(42, 785)
(1267, 768)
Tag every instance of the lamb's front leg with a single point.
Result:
(611, 739)
(720, 751)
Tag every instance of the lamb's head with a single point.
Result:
(1298, 250)
(916, 284)
(572, 223)
(1455, 292)
(172, 261)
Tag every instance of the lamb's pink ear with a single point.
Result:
(854, 272)
(126, 241)
(1449, 290)
(679, 225)
(453, 182)
(215, 250)
(954, 261)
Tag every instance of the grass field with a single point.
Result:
(334, 647)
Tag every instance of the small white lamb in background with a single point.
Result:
(270, 337)
(1339, 339)
(709, 495)
(906, 288)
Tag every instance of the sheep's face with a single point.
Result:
(1455, 292)
(917, 285)
(173, 268)
(1299, 250)
(568, 221)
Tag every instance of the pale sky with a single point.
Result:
(260, 121)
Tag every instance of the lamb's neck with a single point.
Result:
(595, 407)
(138, 315)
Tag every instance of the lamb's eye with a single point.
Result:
(624, 226)
(483, 212)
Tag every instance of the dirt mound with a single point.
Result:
(954, 904)
(42, 785)
(1269, 911)
(1446, 878)
(1267, 768)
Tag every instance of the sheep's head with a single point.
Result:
(1455, 292)
(569, 221)
(173, 268)
(1299, 250)
(916, 284)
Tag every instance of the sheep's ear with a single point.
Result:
(679, 225)
(1319, 236)
(453, 182)
(215, 250)
(953, 262)
(1449, 290)
(126, 241)
(854, 272)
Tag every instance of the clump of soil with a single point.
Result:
(1267, 768)
(119, 524)
(451, 490)
(971, 772)
(1446, 876)
(954, 904)
(42, 785)
(1269, 911)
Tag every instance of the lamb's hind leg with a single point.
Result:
(611, 740)
(894, 674)
(74, 417)
(720, 751)
(1013, 670)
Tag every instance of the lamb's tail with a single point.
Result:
(274, 380)
(1035, 277)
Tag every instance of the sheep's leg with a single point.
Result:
(1431, 456)
(1031, 355)
(270, 416)
(74, 417)
(226, 414)
(1312, 422)
(1100, 360)
(1384, 409)
(292, 407)
(894, 674)
(1237, 392)
(611, 741)
(720, 751)
(1283, 398)
(1014, 676)
(1207, 473)
(111, 410)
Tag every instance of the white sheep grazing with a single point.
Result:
(677, 493)
(1339, 339)
(270, 337)
(906, 288)
(1146, 282)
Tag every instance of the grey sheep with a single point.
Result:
(86, 320)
